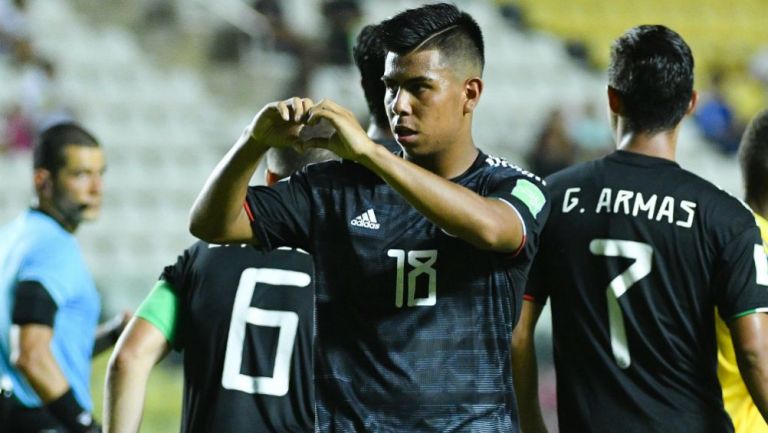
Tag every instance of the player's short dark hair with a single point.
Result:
(442, 26)
(753, 157)
(51, 142)
(369, 55)
(286, 160)
(652, 70)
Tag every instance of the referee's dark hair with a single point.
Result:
(753, 157)
(652, 71)
(442, 26)
(49, 146)
(369, 55)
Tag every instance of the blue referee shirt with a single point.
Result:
(34, 247)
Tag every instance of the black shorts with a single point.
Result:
(15, 418)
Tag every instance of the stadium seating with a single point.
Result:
(164, 124)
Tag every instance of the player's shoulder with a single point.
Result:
(574, 174)
(496, 166)
(716, 202)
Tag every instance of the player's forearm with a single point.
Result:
(750, 342)
(124, 392)
(217, 214)
(140, 347)
(754, 371)
(481, 221)
(525, 372)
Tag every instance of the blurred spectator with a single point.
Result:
(716, 119)
(341, 17)
(553, 149)
(39, 97)
(591, 132)
(13, 24)
(511, 11)
(18, 132)
(286, 40)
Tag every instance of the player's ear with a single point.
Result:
(473, 87)
(692, 104)
(43, 180)
(614, 100)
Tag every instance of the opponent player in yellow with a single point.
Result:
(753, 156)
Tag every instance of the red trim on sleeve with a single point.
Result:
(248, 211)
(529, 297)
(522, 245)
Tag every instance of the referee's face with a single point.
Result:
(77, 187)
(424, 101)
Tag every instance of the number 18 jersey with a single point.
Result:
(413, 324)
(635, 256)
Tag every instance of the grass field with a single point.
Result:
(162, 408)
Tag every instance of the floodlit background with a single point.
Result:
(167, 86)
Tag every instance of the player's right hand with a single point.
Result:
(278, 124)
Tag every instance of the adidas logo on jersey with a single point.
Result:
(367, 220)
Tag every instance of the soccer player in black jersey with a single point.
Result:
(244, 321)
(420, 259)
(369, 55)
(635, 256)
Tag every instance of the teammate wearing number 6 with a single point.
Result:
(635, 257)
(420, 257)
(243, 320)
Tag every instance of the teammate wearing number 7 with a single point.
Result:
(243, 320)
(635, 257)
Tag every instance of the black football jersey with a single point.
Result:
(635, 256)
(245, 325)
(413, 324)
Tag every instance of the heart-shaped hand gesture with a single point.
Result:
(281, 124)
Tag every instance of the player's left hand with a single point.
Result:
(349, 140)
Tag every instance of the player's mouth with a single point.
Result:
(404, 134)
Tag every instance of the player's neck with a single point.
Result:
(450, 162)
(659, 144)
(379, 134)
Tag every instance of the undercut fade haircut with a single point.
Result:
(287, 160)
(369, 55)
(753, 158)
(49, 146)
(439, 26)
(652, 70)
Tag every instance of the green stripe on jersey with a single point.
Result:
(747, 313)
(160, 308)
(530, 195)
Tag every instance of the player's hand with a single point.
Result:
(349, 140)
(278, 124)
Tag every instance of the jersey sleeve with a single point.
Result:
(165, 303)
(741, 279)
(160, 308)
(46, 267)
(280, 214)
(536, 289)
(527, 195)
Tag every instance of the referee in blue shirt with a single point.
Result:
(49, 306)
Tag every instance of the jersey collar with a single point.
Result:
(638, 159)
